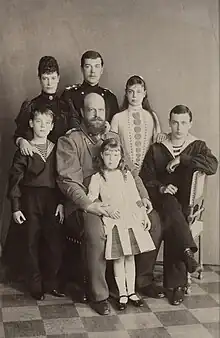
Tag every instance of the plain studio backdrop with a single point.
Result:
(173, 44)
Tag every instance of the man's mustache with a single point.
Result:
(94, 119)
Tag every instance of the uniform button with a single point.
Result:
(50, 97)
(102, 94)
(137, 122)
(137, 143)
(82, 93)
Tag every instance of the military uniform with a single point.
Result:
(64, 116)
(75, 154)
(75, 94)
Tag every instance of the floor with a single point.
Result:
(198, 316)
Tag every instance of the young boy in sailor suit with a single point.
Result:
(35, 201)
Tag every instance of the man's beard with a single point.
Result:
(95, 128)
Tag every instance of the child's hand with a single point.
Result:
(18, 217)
(147, 204)
(113, 213)
(60, 212)
(161, 137)
(145, 220)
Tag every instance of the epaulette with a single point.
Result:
(107, 90)
(74, 86)
(72, 130)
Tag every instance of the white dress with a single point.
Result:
(137, 130)
(121, 194)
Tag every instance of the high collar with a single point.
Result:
(48, 97)
(88, 86)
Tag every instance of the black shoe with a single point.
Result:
(121, 305)
(190, 261)
(152, 291)
(136, 302)
(101, 308)
(38, 295)
(56, 293)
(178, 295)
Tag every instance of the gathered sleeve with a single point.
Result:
(94, 187)
(114, 123)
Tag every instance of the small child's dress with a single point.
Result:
(126, 235)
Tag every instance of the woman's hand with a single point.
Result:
(25, 147)
(161, 137)
(60, 213)
(18, 217)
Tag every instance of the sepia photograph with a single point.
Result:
(109, 169)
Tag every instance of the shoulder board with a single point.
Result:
(72, 130)
(107, 90)
(74, 86)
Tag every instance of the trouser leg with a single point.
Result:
(145, 262)
(177, 237)
(94, 243)
(52, 249)
(33, 268)
(172, 215)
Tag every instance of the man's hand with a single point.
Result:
(147, 204)
(161, 137)
(25, 147)
(98, 208)
(172, 165)
(60, 212)
(18, 217)
(169, 189)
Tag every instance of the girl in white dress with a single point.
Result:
(127, 228)
(137, 125)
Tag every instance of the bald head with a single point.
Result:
(94, 111)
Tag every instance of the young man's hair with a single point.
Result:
(181, 109)
(41, 111)
(91, 54)
(48, 65)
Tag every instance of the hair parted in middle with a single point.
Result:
(111, 144)
(133, 80)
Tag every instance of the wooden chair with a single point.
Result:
(196, 209)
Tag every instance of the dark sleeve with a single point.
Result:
(203, 160)
(22, 122)
(148, 172)
(74, 116)
(16, 175)
(113, 106)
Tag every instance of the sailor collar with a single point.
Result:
(168, 144)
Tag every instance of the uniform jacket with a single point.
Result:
(63, 116)
(35, 172)
(75, 164)
(195, 155)
(76, 93)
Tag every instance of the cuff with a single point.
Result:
(15, 204)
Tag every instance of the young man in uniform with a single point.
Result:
(167, 173)
(92, 68)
